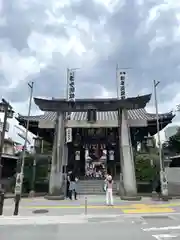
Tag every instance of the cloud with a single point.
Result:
(40, 39)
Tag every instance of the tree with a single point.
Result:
(144, 164)
(174, 142)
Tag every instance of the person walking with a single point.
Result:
(109, 190)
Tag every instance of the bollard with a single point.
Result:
(85, 206)
(1, 202)
(16, 207)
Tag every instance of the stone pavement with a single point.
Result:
(95, 205)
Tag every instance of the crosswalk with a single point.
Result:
(164, 233)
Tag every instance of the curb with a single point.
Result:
(50, 197)
(131, 198)
(24, 195)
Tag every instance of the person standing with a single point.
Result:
(68, 184)
(73, 186)
(109, 190)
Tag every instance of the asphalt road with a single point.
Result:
(126, 220)
(89, 231)
(134, 227)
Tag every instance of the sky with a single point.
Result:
(39, 39)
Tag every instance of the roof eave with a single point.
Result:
(99, 104)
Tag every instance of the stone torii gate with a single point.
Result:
(59, 156)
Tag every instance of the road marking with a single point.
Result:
(42, 220)
(46, 220)
(165, 236)
(132, 206)
(74, 207)
(149, 210)
(162, 228)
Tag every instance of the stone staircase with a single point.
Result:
(93, 187)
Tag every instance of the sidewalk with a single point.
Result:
(95, 205)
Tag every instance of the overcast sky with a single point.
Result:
(39, 39)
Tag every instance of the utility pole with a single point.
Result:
(19, 177)
(31, 85)
(8, 113)
(163, 177)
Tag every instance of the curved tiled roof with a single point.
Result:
(101, 104)
(35, 118)
(135, 114)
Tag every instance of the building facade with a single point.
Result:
(103, 133)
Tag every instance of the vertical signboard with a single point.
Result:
(70, 98)
(68, 135)
(122, 85)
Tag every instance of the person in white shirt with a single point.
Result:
(109, 190)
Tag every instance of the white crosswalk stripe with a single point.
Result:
(164, 233)
(165, 236)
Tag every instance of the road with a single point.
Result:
(95, 205)
(126, 220)
(134, 227)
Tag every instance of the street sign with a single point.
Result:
(164, 183)
(18, 186)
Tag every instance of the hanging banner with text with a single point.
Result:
(71, 85)
(70, 98)
(122, 85)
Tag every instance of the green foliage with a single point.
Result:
(144, 170)
(47, 147)
(174, 142)
(42, 170)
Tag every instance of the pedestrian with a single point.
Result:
(109, 190)
(73, 186)
(68, 184)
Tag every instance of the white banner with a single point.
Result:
(111, 155)
(122, 84)
(77, 155)
(71, 85)
(70, 97)
(68, 135)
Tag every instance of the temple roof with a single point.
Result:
(80, 105)
(135, 114)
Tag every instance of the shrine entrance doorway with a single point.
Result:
(94, 152)
(95, 161)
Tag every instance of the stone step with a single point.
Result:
(92, 187)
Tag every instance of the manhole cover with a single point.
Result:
(40, 211)
(156, 217)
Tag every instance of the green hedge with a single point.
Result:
(144, 170)
(42, 172)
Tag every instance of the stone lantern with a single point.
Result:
(149, 141)
(37, 144)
